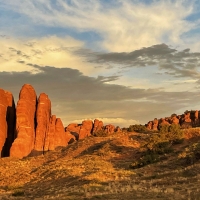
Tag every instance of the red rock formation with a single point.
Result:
(86, 129)
(109, 129)
(60, 138)
(118, 129)
(69, 137)
(3, 123)
(155, 124)
(174, 120)
(25, 123)
(11, 122)
(74, 129)
(196, 119)
(49, 143)
(163, 122)
(187, 117)
(98, 125)
(149, 125)
(43, 115)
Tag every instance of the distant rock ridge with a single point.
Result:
(30, 129)
(187, 120)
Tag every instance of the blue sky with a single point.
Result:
(141, 57)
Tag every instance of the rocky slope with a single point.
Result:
(30, 129)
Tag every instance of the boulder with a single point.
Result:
(85, 129)
(25, 123)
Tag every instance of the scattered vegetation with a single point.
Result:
(100, 133)
(159, 144)
(137, 128)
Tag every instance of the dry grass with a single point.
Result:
(98, 168)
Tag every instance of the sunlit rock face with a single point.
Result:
(25, 123)
(43, 114)
(3, 122)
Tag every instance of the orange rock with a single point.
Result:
(163, 122)
(49, 143)
(69, 137)
(109, 129)
(174, 120)
(155, 124)
(98, 125)
(43, 115)
(149, 125)
(25, 123)
(86, 129)
(11, 122)
(118, 129)
(60, 138)
(3, 122)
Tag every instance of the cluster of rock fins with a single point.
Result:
(187, 120)
(29, 128)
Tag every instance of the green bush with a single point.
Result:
(137, 128)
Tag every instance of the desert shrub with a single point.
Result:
(18, 192)
(192, 153)
(100, 133)
(148, 158)
(137, 128)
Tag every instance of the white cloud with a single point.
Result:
(125, 26)
(46, 51)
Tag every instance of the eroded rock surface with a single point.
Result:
(25, 123)
(3, 122)
(43, 115)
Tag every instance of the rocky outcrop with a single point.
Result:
(49, 143)
(109, 129)
(25, 123)
(86, 129)
(3, 122)
(98, 125)
(43, 115)
(11, 120)
(155, 124)
(187, 120)
(80, 131)
(30, 129)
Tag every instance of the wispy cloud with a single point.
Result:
(173, 62)
(122, 25)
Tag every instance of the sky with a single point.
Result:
(122, 61)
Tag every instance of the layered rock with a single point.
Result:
(43, 115)
(25, 123)
(3, 122)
